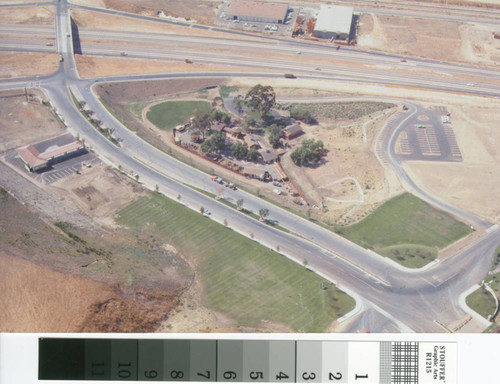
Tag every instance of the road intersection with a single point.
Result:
(405, 300)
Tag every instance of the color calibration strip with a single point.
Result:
(272, 361)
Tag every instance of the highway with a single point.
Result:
(407, 300)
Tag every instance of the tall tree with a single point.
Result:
(261, 98)
(201, 122)
(274, 135)
(214, 143)
(263, 213)
(239, 150)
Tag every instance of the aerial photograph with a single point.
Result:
(241, 166)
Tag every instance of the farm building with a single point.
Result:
(253, 141)
(268, 155)
(218, 127)
(36, 161)
(249, 10)
(333, 21)
(291, 131)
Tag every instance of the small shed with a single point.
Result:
(217, 126)
(252, 141)
(291, 131)
(236, 132)
(268, 155)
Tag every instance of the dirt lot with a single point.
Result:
(96, 20)
(351, 182)
(443, 40)
(203, 11)
(23, 122)
(26, 64)
(473, 184)
(98, 192)
(41, 15)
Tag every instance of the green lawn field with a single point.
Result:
(169, 114)
(241, 278)
(406, 229)
(482, 302)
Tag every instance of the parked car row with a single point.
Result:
(227, 184)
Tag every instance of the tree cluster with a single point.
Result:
(241, 151)
(215, 143)
(303, 115)
(310, 150)
(261, 98)
(220, 116)
(274, 135)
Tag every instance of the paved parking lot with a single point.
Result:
(68, 167)
(427, 138)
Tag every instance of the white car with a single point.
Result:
(207, 212)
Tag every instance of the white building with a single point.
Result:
(333, 21)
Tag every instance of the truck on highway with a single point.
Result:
(290, 76)
(189, 61)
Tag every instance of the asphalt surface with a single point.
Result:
(404, 300)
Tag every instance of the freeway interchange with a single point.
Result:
(389, 297)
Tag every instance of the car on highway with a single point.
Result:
(206, 212)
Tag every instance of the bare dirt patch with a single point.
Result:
(203, 11)
(40, 15)
(350, 182)
(26, 64)
(443, 40)
(25, 120)
(473, 184)
(97, 20)
(98, 191)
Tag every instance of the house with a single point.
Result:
(291, 131)
(217, 126)
(252, 141)
(236, 132)
(268, 155)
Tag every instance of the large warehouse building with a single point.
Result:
(248, 10)
(333, 21)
